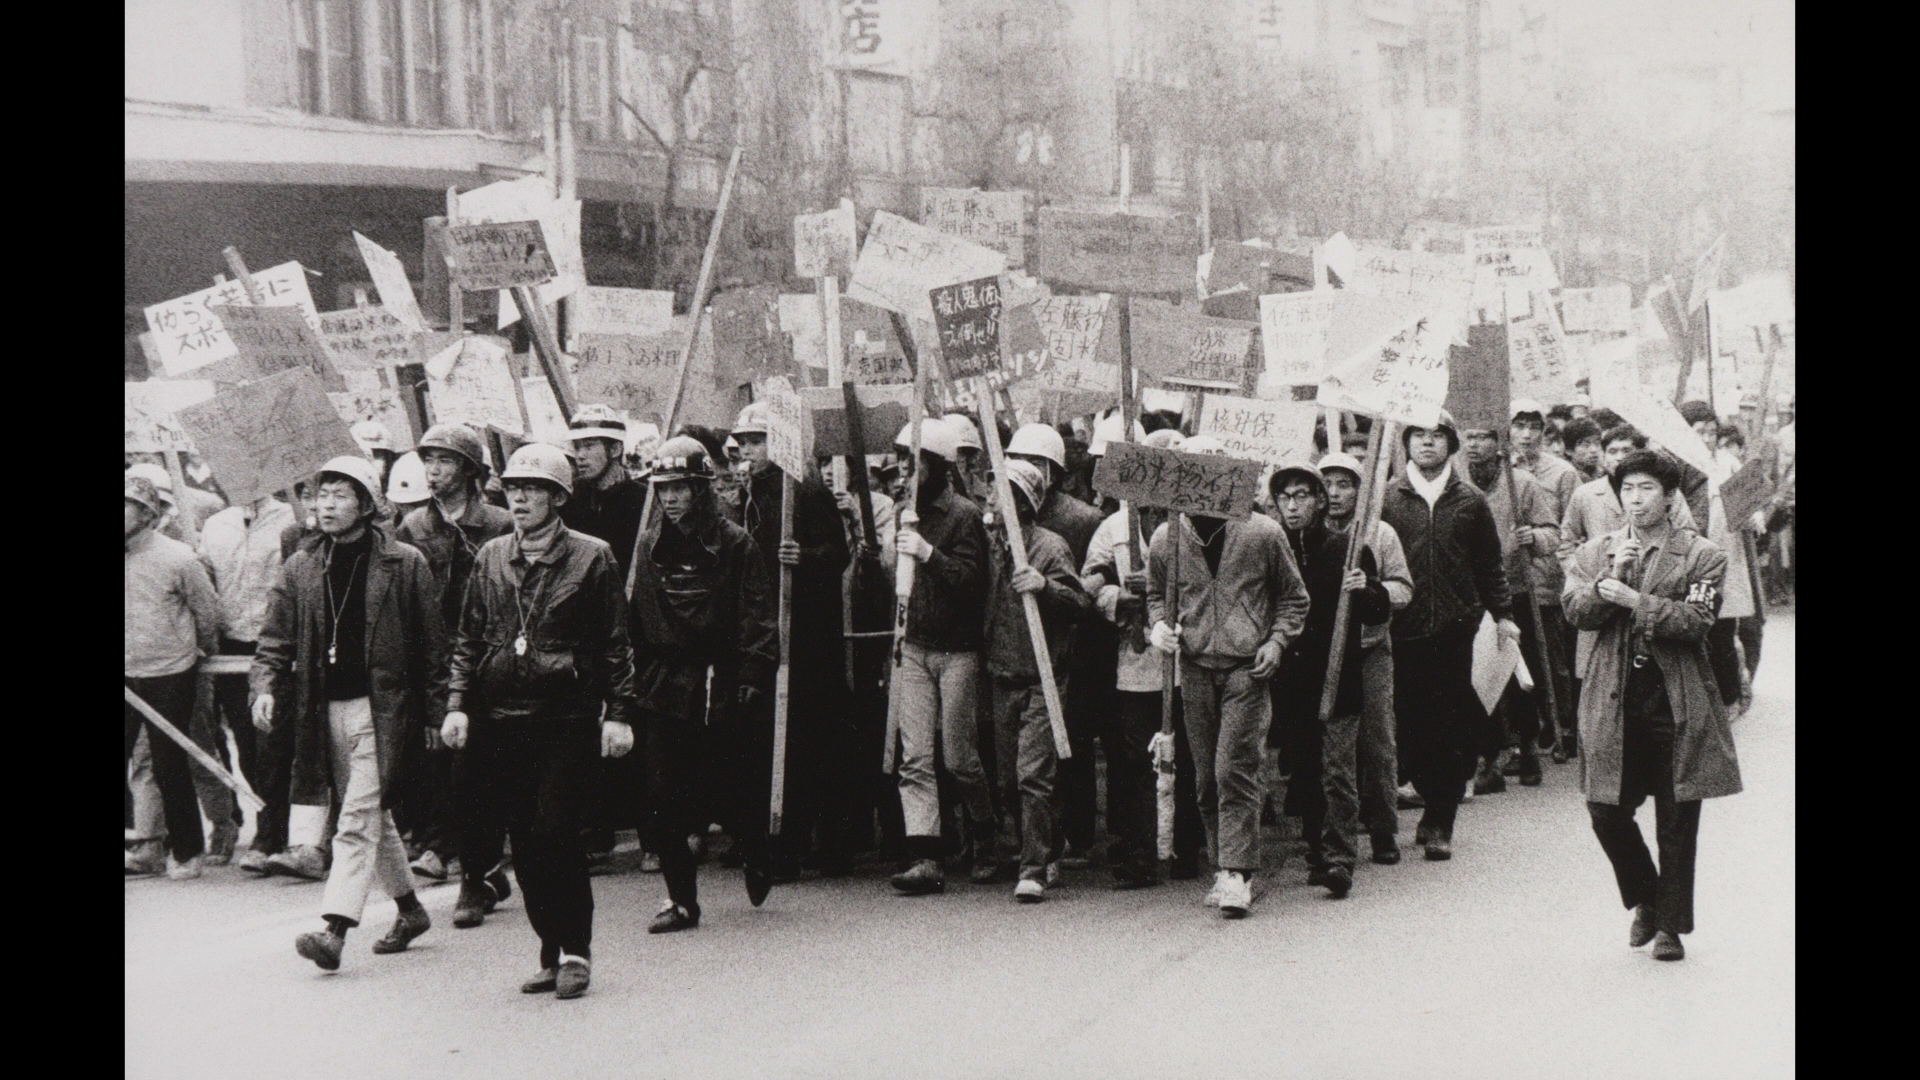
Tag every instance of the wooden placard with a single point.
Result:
(1270, 432)
(903, 261)
(995, 219)
(151, 404)
(789, 428)
(1132, 253)
(188, 334)
(748, 343)
(266, 435)
(269, 340)
(498, 256)
(1203, 484)
(366, 339)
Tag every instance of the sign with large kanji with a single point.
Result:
(967, 317)
(1204, 484)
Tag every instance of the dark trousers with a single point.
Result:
(480, 830)
(1087, 701)
(1525, 713)
(529, 777)
(1724, 659)
(1439, 719)
(1752, 631)
(820, 788)
(265, 759)
(172, 697)
(1668, 886)
(702, 763)
(425, 808)
(618, 799)
(1132, 786)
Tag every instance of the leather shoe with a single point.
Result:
(1339, 882)
(1439, 849)
(1667, 947)
(470, 910)
(1643, 929)
(759, 884)
(410, 925)
(1386, 850)
(1133, 877)
(542, 982)
(322, 947)
(920, 879)
(572, 978)
(673, 917)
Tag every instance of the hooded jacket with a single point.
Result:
(1226, 616)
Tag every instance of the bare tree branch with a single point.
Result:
(642, 121)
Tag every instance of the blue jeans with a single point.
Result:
(936, 698)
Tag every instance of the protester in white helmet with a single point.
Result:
(1241, 603)
(970, 458)
(352, 660)
(172, 619)
(938, 677)
(543, 662)
(407, 487)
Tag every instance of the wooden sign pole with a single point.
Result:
(1017, 546)
(204, 759)
(548, 349)
(702, 287)
(836, 359)
(782, 679)
(1372, 493)
(456, 296)
(238, 267)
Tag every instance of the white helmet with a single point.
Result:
(752, 420)
(1039, 440)
(1338, 460)
(964, 429)
(1165, 439)
(1204, 444)
(540, 461)
(1108, 430)
(1025, 477)
(407, 480)
(364, 474)
(598, 422)
(936, 437)
(157, 476)
(371, 435)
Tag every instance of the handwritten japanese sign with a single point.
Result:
(995, 219)
(1083, 344)
(369, 397)
(789, 424)
(188, 334)
(1118, 252)
(601, 310)
(1608, 309)
(1293, 335)
(269, 340)
(1203, 484)
(824, 243)
(874, 353)
(1537, 352)
(502, 256)
(472, 381)
(389, 277)
(530, 198)
(1507, 255)
(637, 372)
(1270, 432)
(362, 339)
(1219, 358)
(903, 262)
(266, 435)
(151, 427)
(1181, 346)
(1404, 381)
(967, 317)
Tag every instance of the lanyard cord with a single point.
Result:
(336, 606)
(539, 597)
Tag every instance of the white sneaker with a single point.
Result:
(1236, 896)
(183, 871)
(1219, 883)
(1029, 891)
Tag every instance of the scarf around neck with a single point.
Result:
(1429, 489)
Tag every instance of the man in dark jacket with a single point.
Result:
(354, 645)
(1453, 550)
(1320, 759)
(1023, 732)
(542, 650)
(450, 530)
(703, 622)
(820, 733)
(606, 505)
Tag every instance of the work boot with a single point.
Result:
(543, 982)
(254, 862)
(674, 917)
(1529, 774)
(470, 910)
(301, 861)
(572, 978)
(1409, 799)
(322, 947)
(410, 925)
(1439, 848)
(1489, 781)
(1339, 881)
(1667, 947)
(920, 879)
(147, 857)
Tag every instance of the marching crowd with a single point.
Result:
(456, 672)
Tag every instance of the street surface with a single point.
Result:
(1509, 961)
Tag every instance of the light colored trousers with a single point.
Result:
(939, 692)
(1228, 712)
(366, 845)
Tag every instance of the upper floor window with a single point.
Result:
(324, 56)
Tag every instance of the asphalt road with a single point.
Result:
(1509, 961)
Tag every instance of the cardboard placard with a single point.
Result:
(995, 219)
(1615, 384)
(1404, 381)
(369, 397)
(1133, 253)
(1293, 335)
(389, 276)
(789, 428)
(883, 414)
(747, 340)
(506, 255)
(1179, 345)
(1270, 432)
(903, 261)
(1607, 309)
(1204, 484)
(1219, 358)
(187, 333)
(472, 381)
(366, 339)
(151, 405)
(1479, 380)
(266, 435)
(1747, 490)
(1445, 281)
(545, 420)
(636, 373)
(824, 243)
(269, 340)
(602, 310)
(530, 198)
(1507, 255)
(1083, 344)
(1538, 353)
(967, 317)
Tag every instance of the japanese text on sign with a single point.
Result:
(788, 420)
(367, 397)
(1118, 252)
(1083, 344)
(187, 334)
(502, 256)
(1270, 432)
(151, 427)
(824, 243)
(602, 310)
(1293, 334)
(366, 338)
(1537, 353)
(967, 317)
(996, 219)
(867, 32)
(1404, 381)
(1217, 358)
(266, 435)
(1203, 484)
(472, 381)
(903, 261)
(269, 340)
